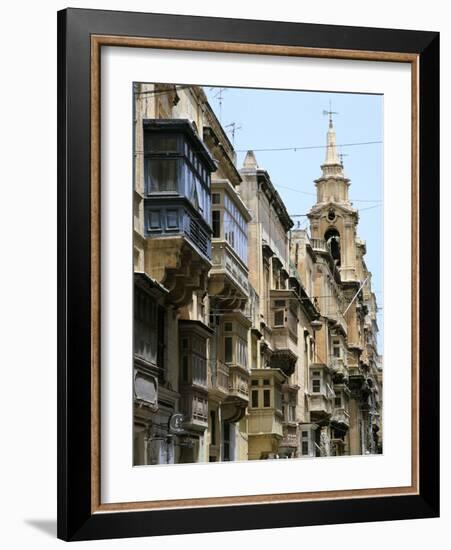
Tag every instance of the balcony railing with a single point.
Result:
(224, 262)
(319, 244)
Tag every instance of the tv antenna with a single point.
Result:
(219, 97)
(234, 127)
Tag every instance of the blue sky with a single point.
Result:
(271, 119)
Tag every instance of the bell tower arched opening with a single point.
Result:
(332, 238)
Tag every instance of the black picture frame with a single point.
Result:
(76, 521)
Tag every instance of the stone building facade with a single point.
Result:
(252, 340)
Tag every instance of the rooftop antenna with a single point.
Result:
(233, 128)
(330, 113)
(219, 97)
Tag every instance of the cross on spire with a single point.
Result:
(330, 113)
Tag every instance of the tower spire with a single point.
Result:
(332, 164)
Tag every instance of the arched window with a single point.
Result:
(332, 238)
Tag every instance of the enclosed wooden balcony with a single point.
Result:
(290, 438)
(265, 422)
(340, 416)
(265, 406)
(194, 406)
(356, 377)
(218, 381)
(285, 360)
(284, 304)
(228, 276)
(330, 308)
(193, 384)
(174, 209)
(234, 406)
(320, 405)
(239, 383)
(321, 393)
(230, 217)
(233, 350)
(339, 368)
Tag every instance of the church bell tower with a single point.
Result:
(333, 219)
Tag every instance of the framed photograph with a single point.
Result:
(248, 274)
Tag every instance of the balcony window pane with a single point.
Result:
(228, 349)
(241, 346)
(161, 175)
(277, 398)
(226, 441)
(235, 228)
(185, 368)
(201, 195)
(161, 339)
(213, 427)
(316, 386)
(266, 398)
(172, 219)
(292, 322)
(192, 191)
(149, 327)
(255, 399)
(216, 223)
(154, 220)
(160, 144)
(279, 318)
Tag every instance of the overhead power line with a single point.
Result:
(370, 207)
(303, 148)
(314, 194)
(360, 210)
